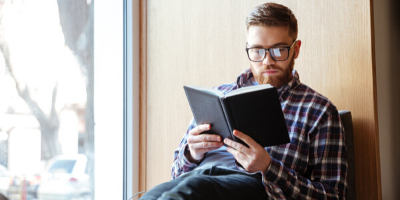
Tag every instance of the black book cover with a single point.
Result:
(254, 110)
(207, 109)
(259, 115)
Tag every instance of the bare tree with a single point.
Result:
(76, 20)
(49, 123)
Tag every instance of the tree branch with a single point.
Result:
(23, 93)
(49, 126)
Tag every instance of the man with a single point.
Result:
(312, 166)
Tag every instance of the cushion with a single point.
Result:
(347, 122)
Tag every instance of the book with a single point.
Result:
(254, 110)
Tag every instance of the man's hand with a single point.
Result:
(200, 144)
(253, 159)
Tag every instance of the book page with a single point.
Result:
(248, 89)
(207, 90)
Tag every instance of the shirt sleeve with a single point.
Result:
(182, 165)
(327, 166)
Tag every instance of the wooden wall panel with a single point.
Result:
(202, 43)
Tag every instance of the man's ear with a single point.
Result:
(297, 48)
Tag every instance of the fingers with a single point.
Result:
(239, 156)
(253, 159)
(200, 144)
(205, 145)
(199, 129)
(256, 160)
(247, 139)
(237, 146)
(197, 150)
(204, 138)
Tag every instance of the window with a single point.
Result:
(47, 90)
(64, 92)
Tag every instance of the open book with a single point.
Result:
(255, 111)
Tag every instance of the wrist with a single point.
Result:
(189, 156)
(192, 160)
(268, 164)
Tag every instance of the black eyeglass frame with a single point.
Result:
(267, 50)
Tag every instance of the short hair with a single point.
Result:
(273, 14)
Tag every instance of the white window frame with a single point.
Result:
(116, 106)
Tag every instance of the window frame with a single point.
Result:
(131, 104)
(116, 40)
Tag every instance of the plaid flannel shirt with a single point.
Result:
(314, 164)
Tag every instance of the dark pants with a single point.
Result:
(214, 183)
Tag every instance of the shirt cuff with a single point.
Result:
(275, 173)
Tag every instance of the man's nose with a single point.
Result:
(268, 60)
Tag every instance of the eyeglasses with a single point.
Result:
(257, 54)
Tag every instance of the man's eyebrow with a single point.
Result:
(277, 44)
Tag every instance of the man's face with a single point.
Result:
(276, 73)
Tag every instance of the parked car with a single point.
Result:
(65, 178)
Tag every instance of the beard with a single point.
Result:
(276, 81)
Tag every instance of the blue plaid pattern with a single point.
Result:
(314, 164)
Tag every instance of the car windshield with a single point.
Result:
(62, 166)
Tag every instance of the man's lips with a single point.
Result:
(270, 72)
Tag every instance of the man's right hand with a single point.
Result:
(200, 144)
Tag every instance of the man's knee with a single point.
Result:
(158, 190)
(193, 187)
(195, 184)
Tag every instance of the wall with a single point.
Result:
(192, 42)
(387, 43)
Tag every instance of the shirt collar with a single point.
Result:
(247, 74)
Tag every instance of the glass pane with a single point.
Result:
(62, 166)
(256, 54)
(46, 99)
(279, 53)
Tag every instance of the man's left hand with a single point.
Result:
(253, 159)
